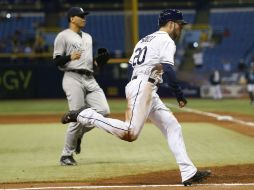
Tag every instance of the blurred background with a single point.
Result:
(220, 37)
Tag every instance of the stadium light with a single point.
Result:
(8, 15)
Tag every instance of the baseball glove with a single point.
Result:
(181, 101)
(102, 57)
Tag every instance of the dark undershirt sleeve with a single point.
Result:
(169, 76)
(61, 60)
(130, 71)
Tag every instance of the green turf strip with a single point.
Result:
(30, 152)
(18, 107)
(241, 106)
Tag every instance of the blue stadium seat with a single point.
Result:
(108, 30)
(237, 43)
(23, 22)
(148, 21)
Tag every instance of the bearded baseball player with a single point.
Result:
(152, 57)
(74, 56)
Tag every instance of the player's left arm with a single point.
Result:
(170, 76)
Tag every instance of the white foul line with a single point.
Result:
(214, 115)
(131, 186)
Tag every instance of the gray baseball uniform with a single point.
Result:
(78, 83)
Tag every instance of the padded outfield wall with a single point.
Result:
(44, 80)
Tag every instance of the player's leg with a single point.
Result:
(213, 91)
(80, 137)
(250, 89)
(90, 117)
(75, 97)
(218, 91)
(171, 129)
(138, 94)
(95, 99)
(252, 95)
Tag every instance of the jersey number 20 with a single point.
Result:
(140, 55)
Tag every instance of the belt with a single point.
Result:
(151, 80)
(82, 72)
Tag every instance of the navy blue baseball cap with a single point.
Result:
(171, 15)
(76, 11)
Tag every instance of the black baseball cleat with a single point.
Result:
(71, 116)
(78, 147)
(67, 161)
(198, 177)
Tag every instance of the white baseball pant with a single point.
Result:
(143, 103)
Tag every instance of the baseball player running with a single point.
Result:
(142, 97)
(73, 55)
(249, 76)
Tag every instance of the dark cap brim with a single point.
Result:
(80, 15)
(83, 14)
(183, 22)
(86, 13)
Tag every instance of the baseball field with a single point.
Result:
(219, 135)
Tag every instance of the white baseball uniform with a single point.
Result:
(79, 83)
(144, 102)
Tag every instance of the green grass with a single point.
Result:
(241, 106)
(16, 107)
(13, 107)
(30, 152)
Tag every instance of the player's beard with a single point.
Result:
(176, 34)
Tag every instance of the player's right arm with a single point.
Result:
(59, 57)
